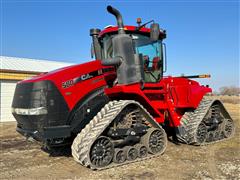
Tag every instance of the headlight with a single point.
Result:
(32, 111)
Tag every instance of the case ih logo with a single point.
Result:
(83, 77)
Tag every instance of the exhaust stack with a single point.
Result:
(129, 65)
(118, 16)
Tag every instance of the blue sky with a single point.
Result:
(202, 36)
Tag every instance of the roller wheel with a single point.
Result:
(119, 156)
(102, 152)
(202, 132)
(142, 150)
(132, 153)
(154, 140)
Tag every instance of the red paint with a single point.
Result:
(166, 100)
(114, 29)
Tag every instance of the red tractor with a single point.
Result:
(118, 108)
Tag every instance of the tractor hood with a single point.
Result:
(72, 82)
(65, 72)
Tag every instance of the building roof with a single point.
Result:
(30, 65)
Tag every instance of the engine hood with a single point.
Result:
(65, 72)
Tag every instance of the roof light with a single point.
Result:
(139, 21)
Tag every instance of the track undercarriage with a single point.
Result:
(122, 132)
(209, 123)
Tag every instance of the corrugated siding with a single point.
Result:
(35, 65)
(8, 79)
(6, 96)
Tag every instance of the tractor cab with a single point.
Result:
(151, 52)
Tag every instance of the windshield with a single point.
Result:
(152, 57)
(150, 51)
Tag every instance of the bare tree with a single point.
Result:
(229, 90)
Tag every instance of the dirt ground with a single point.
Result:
(25, 160)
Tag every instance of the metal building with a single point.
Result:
(12, 70)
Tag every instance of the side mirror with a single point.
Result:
(154, 31)
(164, 57)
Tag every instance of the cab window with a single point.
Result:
(151, 52)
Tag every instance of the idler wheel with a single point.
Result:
(228, 128)
(102, 152)
(154, 140)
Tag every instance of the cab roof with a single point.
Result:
(130, 29)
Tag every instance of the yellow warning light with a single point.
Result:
(205, 76)
(139, 21)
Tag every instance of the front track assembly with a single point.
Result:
(122, 132)
(207, 124)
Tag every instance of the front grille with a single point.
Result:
(30, 95)
(35, 95)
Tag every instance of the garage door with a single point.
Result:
(7, 91)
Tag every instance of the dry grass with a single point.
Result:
(227, 99)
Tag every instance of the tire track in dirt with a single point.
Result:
(211, 162)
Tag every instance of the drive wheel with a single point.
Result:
(102, 152)
(119, 156)
(132, 153)
(142, 150)
(154, 140)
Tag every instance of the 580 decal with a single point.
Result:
(67, 84)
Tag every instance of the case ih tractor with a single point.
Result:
(119, 108)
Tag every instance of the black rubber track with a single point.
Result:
(191, 121)
(82, 143)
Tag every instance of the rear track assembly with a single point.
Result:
(207, 124)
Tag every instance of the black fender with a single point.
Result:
(86, 109)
